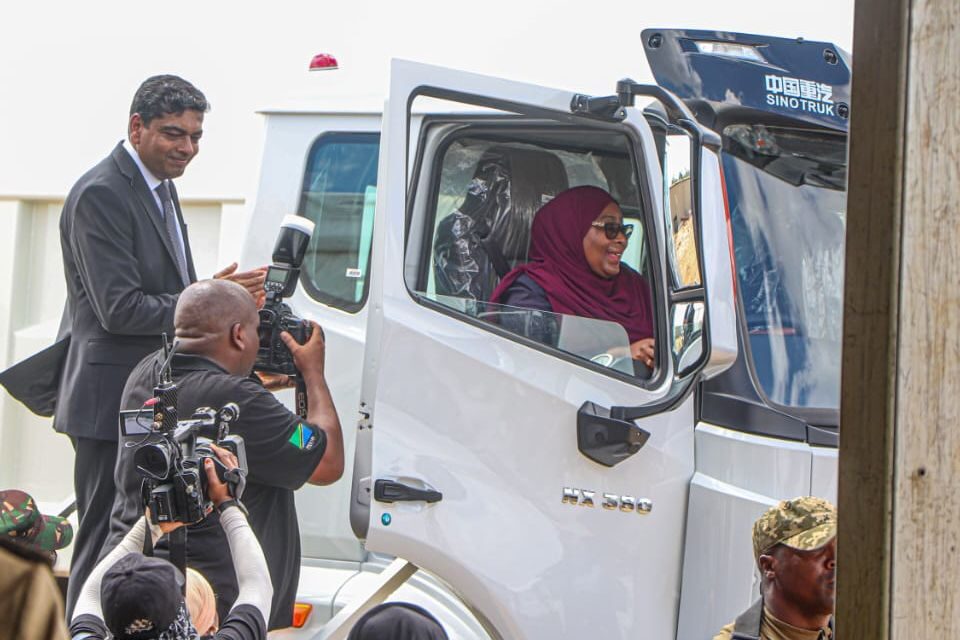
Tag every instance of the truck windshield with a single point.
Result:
(787, 198)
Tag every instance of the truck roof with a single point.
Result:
(357, 104)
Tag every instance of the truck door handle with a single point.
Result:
(390, 491)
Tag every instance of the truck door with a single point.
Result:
(517, 454)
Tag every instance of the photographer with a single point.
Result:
(131, 595)
(216, 326)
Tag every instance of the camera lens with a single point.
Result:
(153, 460)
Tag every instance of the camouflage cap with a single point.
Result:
(21, 521)
(804, 523)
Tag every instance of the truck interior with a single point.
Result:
(487, 184)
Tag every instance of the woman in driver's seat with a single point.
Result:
(576, 244)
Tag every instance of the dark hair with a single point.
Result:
(398, 621)
(162, 95)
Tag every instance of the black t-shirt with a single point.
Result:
(244, 622)
(282, 451)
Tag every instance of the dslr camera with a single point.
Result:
(281, 281)
(174, 480)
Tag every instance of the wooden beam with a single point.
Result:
(926, 535)
(899, 493)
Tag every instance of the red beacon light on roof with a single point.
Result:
(323, 62)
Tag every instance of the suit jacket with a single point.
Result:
(122, 286)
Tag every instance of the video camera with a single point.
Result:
(174, 480)
(281, 281)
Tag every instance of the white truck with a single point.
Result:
(543, 489)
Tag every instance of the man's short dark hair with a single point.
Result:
(162, 95)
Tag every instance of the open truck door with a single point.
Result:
(515, 454)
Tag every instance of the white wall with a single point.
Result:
(68, 69)
(32, 292)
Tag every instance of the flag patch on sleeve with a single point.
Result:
(303, 437)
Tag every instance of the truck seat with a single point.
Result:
(490, 233)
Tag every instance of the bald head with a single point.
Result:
(214, 318)
(211, 307)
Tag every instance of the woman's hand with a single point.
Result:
(643, 351)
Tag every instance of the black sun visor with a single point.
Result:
(799, 79)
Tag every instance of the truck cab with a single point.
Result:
(545, 485)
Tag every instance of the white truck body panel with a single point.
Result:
(738, 477)
(491, 423)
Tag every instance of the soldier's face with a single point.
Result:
(168, 144)
(807, 579)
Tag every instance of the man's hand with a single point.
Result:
(275, 381)
(217, 491)
(309, 357)
(251, 280)
(166, 527)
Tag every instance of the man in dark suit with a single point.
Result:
(126, 258)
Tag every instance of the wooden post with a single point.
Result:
(899, 493)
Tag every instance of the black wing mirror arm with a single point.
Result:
(605, 439)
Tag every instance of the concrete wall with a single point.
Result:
(32, 292)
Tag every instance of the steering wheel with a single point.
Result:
(604, 359)
(611, 361)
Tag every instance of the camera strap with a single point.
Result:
(148, 542)
(178, 552)
(236, 482)
(144, 499)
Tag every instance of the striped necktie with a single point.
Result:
(169, 214)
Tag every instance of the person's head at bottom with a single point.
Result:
(795, 547)
(142, 597)
(201, 603)
(397, 621)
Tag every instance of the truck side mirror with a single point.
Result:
(605, 439)
(700, 286)
(679, 157)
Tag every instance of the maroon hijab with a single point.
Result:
(558, 265)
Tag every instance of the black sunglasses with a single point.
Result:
(613, 229)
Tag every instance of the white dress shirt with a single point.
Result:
(152, 183)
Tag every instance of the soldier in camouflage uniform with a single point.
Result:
(22, 522)
(794, 544)
(30, 602)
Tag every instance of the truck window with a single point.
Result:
(487, 192)
(678, 209)
(339, 196)
(787, 195)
